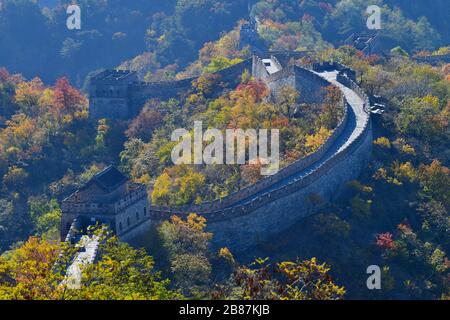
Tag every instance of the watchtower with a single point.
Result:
(108, 198)
(109, 94)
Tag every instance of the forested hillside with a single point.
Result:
(395, 215)
(111, 32)
(157, 31)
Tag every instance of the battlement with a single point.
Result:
(368, 43)
(266, 207)
(118, 94)
(433, 59)
(107, 198)
(114, 76)
(242, 219)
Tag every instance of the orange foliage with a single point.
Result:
(253, 89)
(384, 241)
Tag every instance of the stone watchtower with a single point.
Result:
(109, 198)
(109, 94)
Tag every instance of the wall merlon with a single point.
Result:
(273, 203)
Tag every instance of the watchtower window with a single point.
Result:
(120, 226)
(145, 211)
(128, 221)
(267, 64)
(137, 216)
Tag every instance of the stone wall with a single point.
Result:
(333, 66)
(246, 225)
(309, 85)
(218, 206)
(119, 100)
(307, 77)
(142, 91)
(270, 206)
(132, 216)
(135, 234)
(113, 214)
(280, 209)
(445, 58)
(101, 107)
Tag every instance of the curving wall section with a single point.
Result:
(270, 206)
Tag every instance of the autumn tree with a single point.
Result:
(332, 109)
(219, 63)
(26, 272)
(122, 273)
(288, 280)
(287, 99)
(143, 125)
(178, 185)
(435, 179)
(421, 118)
(314, 141)
(186, 243)
(68, 99)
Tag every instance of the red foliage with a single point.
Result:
(385, 241)
(144, 124)
(289, 42)
(360, 54)
(67, 97)
(307, 17)
(404, 228)
(373, 59)
(4, 75)
(447, 263)
(280, 122)
(325, 6)
(256, 89)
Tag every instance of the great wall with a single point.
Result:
(242, 219)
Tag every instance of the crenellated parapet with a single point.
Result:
(119, 95)
(107, 198)
(433, 59)
(272, 204)
(263, 184)
(242, 219)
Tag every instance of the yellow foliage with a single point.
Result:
(430, 100)
(193, 222)
(226, 254)
(383, 142)
(29, 93)
(145, 179)
(161, 189)
(29, 270)
(404, 171)
(178, 185)
(313, 142)
(408, 149)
